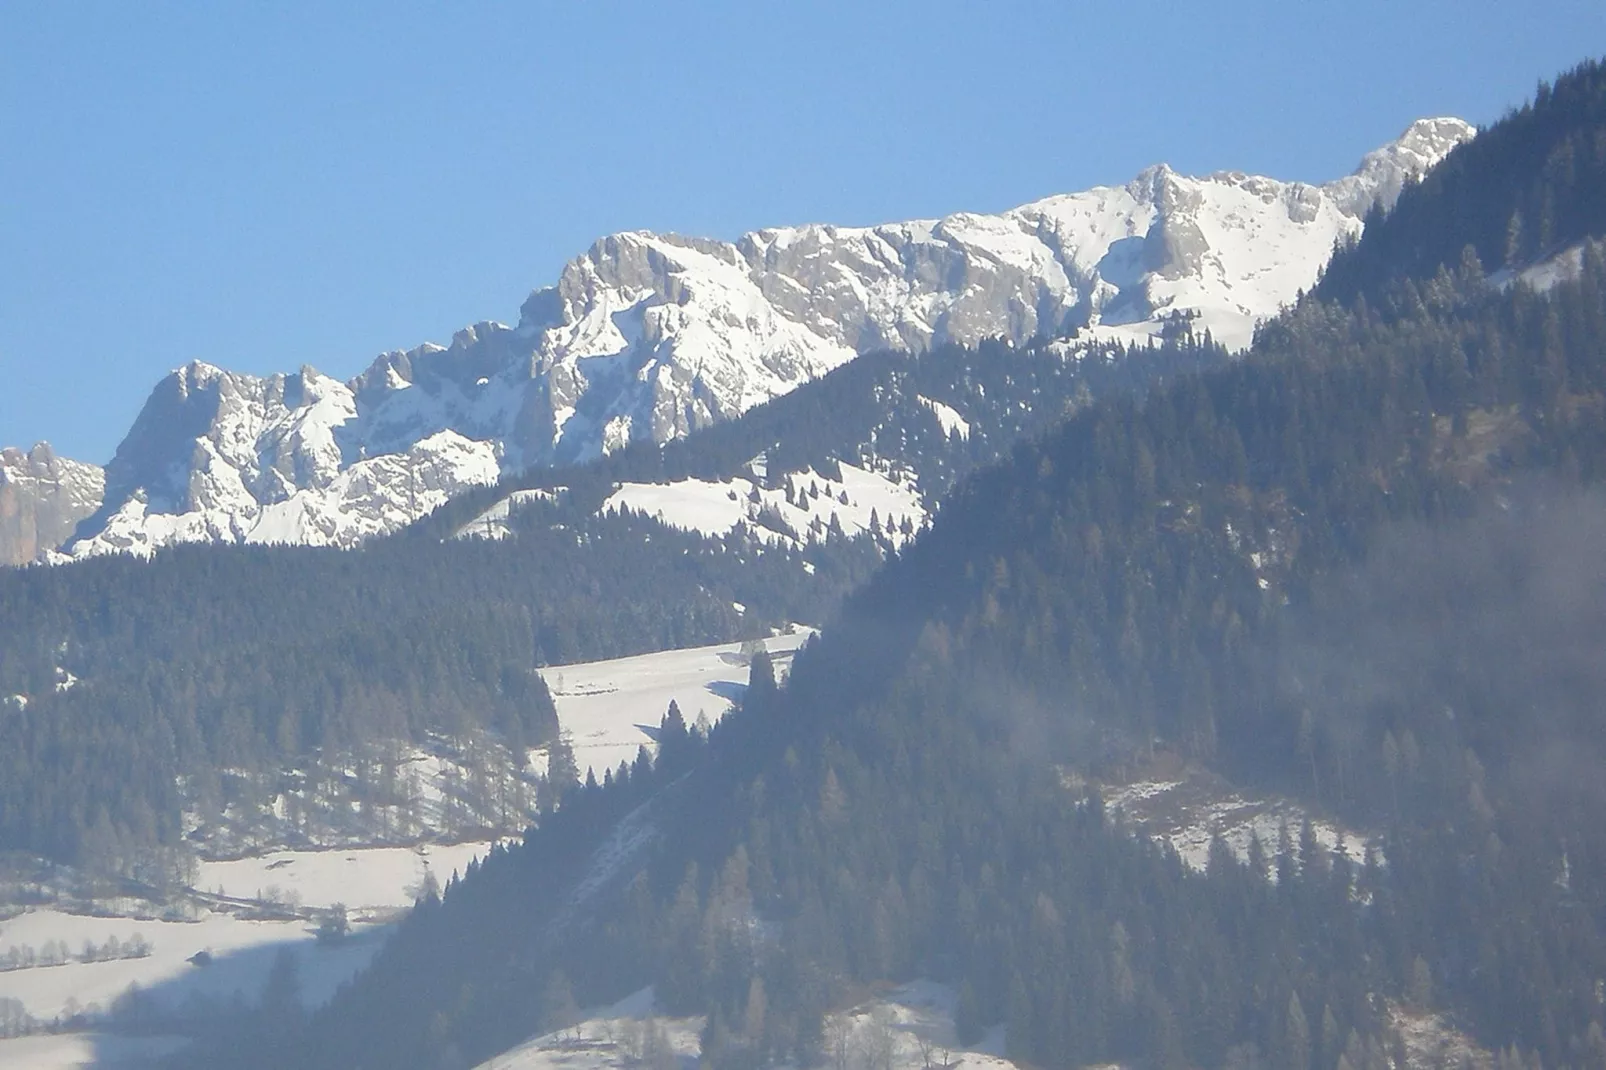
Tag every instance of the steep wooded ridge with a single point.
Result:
(1332, 567)
(648, 337)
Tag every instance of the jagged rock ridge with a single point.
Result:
(42, 499)
(648, 337)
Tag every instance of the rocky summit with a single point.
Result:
(42, 499)
(647, 337)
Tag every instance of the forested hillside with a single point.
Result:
(1523, 190)
(1358, 566)
(128, 688)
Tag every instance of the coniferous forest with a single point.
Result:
(1361, 566)
(207, 659)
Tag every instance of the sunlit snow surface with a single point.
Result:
(612, 708)
(70, 1051)
(913, 1024)
(948, 417)
(1188, 811)
(366, 879)
(715, 508)
(647, 337)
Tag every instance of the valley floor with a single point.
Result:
(240, 913)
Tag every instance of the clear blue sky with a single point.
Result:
(267, 185)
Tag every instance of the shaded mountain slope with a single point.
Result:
(1136, 584)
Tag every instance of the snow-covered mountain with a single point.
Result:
(649, 336)
(42, 499)
(218, 456)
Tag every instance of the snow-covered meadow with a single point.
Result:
(716, 507)
(364, 880)
(240, 914)
(610, 708)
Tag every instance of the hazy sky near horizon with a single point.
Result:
(267, 186)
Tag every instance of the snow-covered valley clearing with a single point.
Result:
(107, 978)
(906, 1028)
(1189, 809)
(207, 948)
(103, 967)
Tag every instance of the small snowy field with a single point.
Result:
(69, 1051)
(610, 708)
(909, 1028)
(1189, 810)
(241, 950)
(860, 495)
(369, 882)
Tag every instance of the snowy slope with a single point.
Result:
(910, 1028)
(854, 502)
(610, 708)
(72, 1051)
(647, 337)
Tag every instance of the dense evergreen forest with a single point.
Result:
(1520, 191)
(1362, 566)
(138, 683)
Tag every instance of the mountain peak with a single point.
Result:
(1437, 135)
(648, 337)
(42, 498)
(1384, 171)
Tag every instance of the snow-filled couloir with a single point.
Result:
(647, 337)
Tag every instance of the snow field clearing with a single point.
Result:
(608, 1037)
(493, 522)
(911, 1027)
(1432, 1041)
(715, 508)
(375, 883)
(948, 417)
(611, 708)
(242, 951)
(68, 1051)
(371, 879)
(1187, 812)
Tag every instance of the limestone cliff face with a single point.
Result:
(648, 336)
(42, 499)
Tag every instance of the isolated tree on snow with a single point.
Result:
(333, 925)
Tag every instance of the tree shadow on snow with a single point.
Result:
(203, 1000)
